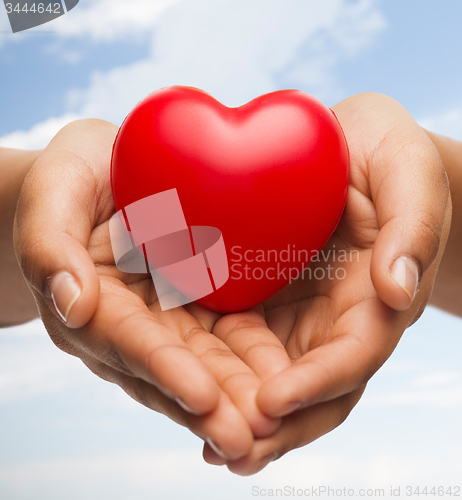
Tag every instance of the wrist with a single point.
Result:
(16, 304)
(14, 166)
(448, 284)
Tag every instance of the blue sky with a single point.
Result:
(412, 57)
(66, 434)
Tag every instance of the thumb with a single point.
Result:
(411, 194)
(61, 201)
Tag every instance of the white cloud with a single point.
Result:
(436, 379)
(234, 49)
(448, 122)
(379, 470)
(393, 366)
(446, 397)
(107, 20)
(132, 474)
(237, 50)
(39, 135)
(415, 384)
(30, 365)
(30, 330)
(176, 473)
(35, 370)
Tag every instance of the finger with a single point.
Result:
(212, 457)
(232, 374)
(60, 203)
(249, 337)
(413, 210)
(224, 429)
(410, 191)
(298, 429)
(125, 335)
(360, 342)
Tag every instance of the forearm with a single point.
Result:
(16, 302)
(447, 293)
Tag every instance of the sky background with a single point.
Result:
(65, 434)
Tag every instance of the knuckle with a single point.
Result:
(194, 331)
(237, 327)
(156, 356)
(110, 343)
(237, 321)
(262, 345)
(216, 351)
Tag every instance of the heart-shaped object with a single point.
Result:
(271, 175)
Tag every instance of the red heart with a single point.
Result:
(271, 175)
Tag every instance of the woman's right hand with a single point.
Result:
(167, 360)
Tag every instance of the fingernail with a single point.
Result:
(406, 273)
(186, 407)
(216, 449)
(64, 292)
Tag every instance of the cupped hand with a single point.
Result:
(315, 344)
(343, 317)
(169, 361)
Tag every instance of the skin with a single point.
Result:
(398, 204)
(447, 292)
(17, 304)
(257, 384)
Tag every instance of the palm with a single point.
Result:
(303, 315)
(329, 299)
(168, 342)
